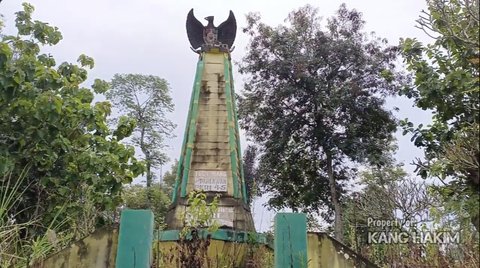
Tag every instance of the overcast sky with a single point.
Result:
(148, 37)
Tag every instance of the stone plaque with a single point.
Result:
(211, 180)
(225, 216)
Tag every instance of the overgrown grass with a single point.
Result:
(10, 240)
(17, 247)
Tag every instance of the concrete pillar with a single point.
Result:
(290, 242)
(135, 239)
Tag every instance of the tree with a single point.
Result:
(51, 128)
(390, 195)
(314, 103)
(446, 81)
(145, 98)
(139, 197)
(250, 171)
(169, 178)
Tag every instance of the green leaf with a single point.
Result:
(86, 61)
(100, 86)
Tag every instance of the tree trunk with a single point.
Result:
(149, 169)
(147, 157)
(474, 177)
(338, 224)
(148, 165)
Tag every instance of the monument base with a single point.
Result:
(232, 214)
(222, 248)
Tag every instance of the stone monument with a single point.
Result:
(210, 158)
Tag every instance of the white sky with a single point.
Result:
(148, 37)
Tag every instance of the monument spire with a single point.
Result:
(210, 159)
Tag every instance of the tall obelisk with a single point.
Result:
(210, 159)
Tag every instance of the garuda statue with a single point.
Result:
(204, 38)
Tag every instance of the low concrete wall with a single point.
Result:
(100, 248)
(96, 250)
(326, 252)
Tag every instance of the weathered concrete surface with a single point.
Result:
(326, 252)
(214, 147)
(97, 250)
(238, 218)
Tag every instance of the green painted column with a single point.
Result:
(184, 161)
(290, 242)
(135, 239)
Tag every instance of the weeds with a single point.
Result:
(194, 247)
(18, 246)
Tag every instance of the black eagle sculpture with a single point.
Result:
(203, 38)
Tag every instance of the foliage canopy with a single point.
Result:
(314, 103)
(50, 124)
(447, 82)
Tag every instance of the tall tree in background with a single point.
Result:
(447, 82)
(314, 103)
(145, 98)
